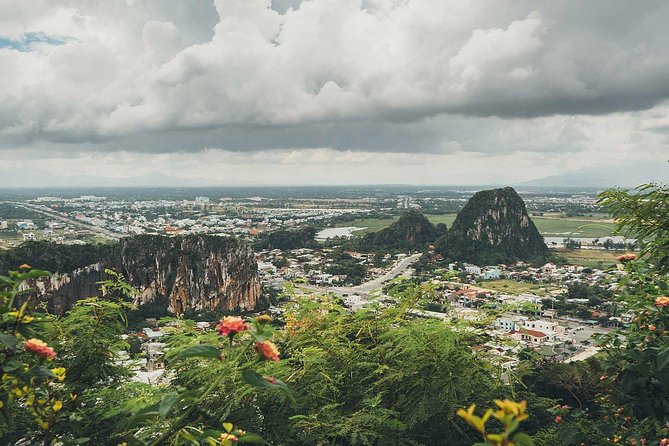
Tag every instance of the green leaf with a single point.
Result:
(210, 433)
(76, 441)
(8, 340)
(522, 439)
(252, 438)
(256, 380)
(200, 351)
(12, 365)
(167, 404)
(663, 359)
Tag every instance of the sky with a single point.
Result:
(244, 92)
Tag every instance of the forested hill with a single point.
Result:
(493, 227)
(410, 232)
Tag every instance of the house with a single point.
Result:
(505, 324)
(531, 336)
(492, 274)
(151, 334)
(473, 269)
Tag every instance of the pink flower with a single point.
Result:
(652, 327)
(40, 348)
(268, 350)
(231, 325)
(558, 419)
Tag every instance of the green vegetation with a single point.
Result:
(493, 227)
(323, 375)
(589, 258)
(412, 231)
(54, 257)
(288, 239)
(516, 287)
(557, 226)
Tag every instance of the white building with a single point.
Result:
(492, 274)
(473, 269)
(4, 224)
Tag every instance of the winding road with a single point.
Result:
(364, 289)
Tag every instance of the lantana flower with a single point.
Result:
(626, 257)
(662, 301)
(231, 325)
(40, 348)
(268, 350)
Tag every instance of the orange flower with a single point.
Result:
(40, 348)
(662, 301)
(231, 325)
(25, 266)
(268, 350)
(626, 257)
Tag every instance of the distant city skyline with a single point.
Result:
(289, 92)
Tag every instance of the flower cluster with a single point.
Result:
(267, 350)
(509, 413)
(626, 257)
(230, 326)
(662, 301)
(40, 348)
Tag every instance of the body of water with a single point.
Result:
(327, 233)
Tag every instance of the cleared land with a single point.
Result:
(590, 258)
(548, 226)
(516, 288)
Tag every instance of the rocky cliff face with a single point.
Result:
(204, 273)
(493, 227)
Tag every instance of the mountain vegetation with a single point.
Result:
(286, 239)
(320, 374)
(412, 231)
(493, 227)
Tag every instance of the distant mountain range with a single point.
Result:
(630, 175)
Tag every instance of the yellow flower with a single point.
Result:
(57, 405)
(476, 422)
(60, 373)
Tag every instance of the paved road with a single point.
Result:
(364, 289)
(76, 223)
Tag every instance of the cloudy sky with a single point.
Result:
(333, 92)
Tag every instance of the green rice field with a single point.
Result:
(547, 226)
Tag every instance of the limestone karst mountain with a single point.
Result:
(202, 273)
(493, 227)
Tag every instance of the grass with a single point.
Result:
(596, 227)
(513, 287)
(590, 258)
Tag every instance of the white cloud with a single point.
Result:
(468, 80)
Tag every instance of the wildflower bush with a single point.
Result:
(509, 414)
(181, 417)
(29, 383)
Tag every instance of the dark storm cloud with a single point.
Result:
(373, 75)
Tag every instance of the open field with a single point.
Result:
(590, 258)
(548, 226)
(516, 288)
